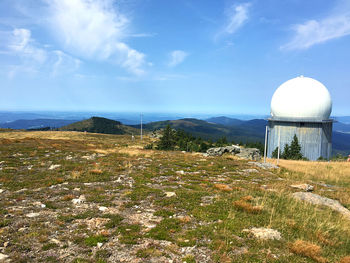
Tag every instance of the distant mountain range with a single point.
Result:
(213, 128)
(36, 124)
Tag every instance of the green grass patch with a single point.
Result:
(93, 240)
(165, 229)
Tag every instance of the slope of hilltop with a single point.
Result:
(225, 121)
(76, 197)
(99, 125)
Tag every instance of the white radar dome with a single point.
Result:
(301, 98)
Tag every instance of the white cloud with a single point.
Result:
(237, 16)
(22, 44)
(64, 63)
(32, 57)
(177, 57)
(314, 32)
(94, 29)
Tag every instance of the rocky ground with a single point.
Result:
(75, 197)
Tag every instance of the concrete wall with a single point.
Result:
(315, 138)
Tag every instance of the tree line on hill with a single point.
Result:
(172, 139)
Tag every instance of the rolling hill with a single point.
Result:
(212, 131)
(225, 121)
(99, 125)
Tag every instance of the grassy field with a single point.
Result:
(76, 197)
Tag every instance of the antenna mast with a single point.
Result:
(141, 126)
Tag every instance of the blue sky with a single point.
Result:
(185, 56)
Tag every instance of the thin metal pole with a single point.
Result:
(279, 142)
(265, 145)
(141, 126)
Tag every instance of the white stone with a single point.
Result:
(54, 166)
(30, 215)
(304, 187)
(264, 233)
(3, 257)
(103, 208)
(99, 245)
(76, 201)
(170, 194)
(55, 241)
(1, 191)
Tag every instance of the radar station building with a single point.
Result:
(301, 106)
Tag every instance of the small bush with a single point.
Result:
(247, 207)
(148, 146)
(223, 187)
(307, 249)
(345, 260)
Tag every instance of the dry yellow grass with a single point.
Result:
(223, 187)
(136, 152)
(244, 205)
(335, 171)
(345, 260)
(53, 135)
(307, 249)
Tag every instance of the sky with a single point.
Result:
(184, 56)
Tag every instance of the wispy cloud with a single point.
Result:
(95, 30)
(23, 45)
(64, 63)
(237, 15)
(143, 35)
(32, 57)
(177, 57)
(314, 32)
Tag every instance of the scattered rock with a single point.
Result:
(89, 157)
(264, 166)
(170, 194)
(207, 200)
(250, 171)
(239, 251)
(4, 258)
(250, 154)
(99, 245)
(54, 166)
(93, 223)
(79, 200)
(320, 200)
(218, 151)
(55, 241)
(264, 233)
(304, 187)
(1, 191)
(31, 215)
(103, 208)
(245, 153)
